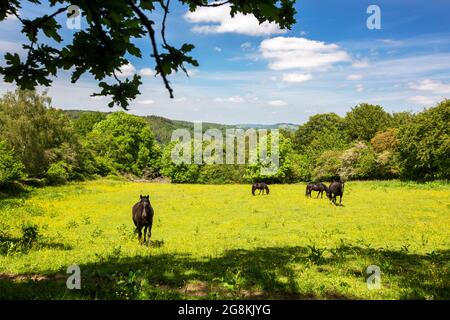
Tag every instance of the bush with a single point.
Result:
(58, 173)
(221, 174)
(30, 234)
(328, 166)
(358, 162)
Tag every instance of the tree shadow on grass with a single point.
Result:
(260, 273)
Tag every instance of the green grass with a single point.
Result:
(218, 241)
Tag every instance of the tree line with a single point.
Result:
(41, 145)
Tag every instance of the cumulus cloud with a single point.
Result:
(296, 77)
(286, 53)
(353, 77)
(147, 72)
(277, 103)
(431, 86)
(218, 20)
(126, 70)
(218, 49)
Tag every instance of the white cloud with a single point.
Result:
(296, 77)
(236, 99)
(359, 88)
(423, 101)
(218, 20)
(233, 99)
(146, 102)
(391, 42)
(360, 64)
(126, 70)
(277, 103)
(301, 53)
(353, 77)
(246, 46)
(218, 49)
(431, 85)
(147, 72)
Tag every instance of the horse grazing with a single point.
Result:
(316, 187)
(336, 189)
(261, 186)
(143, 217)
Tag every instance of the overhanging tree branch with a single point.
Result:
(149, 26)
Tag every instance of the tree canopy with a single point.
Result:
(113, 26)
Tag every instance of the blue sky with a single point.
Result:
(329, 62)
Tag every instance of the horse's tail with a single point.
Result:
(267, 189)
(253, 190)
(306, 192)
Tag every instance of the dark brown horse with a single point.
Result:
(143, 217)
(320, 187)
(336, 189)
(261, 186)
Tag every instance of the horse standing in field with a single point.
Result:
(336, 189)
(261, 186)
(316, 187)
(143, 217)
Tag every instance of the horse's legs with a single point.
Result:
(150, 231)
(139, 233)
(340, 200)
(145, 234)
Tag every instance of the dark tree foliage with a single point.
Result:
(424, 144)
(112, 27)
(365, 120)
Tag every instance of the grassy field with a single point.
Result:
(213, 241)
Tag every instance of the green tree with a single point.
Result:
(127, 143)
(365, 120)
(401, 118)
(87, 120)
(108, 41)
(424, 144)
(11, 168)
(36, 131)
(322, 130)
(256, 171)
(180, 172)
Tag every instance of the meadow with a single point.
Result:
(219, 241)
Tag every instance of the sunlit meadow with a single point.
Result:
(219, 241)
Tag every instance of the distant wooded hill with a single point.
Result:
(163, 127)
